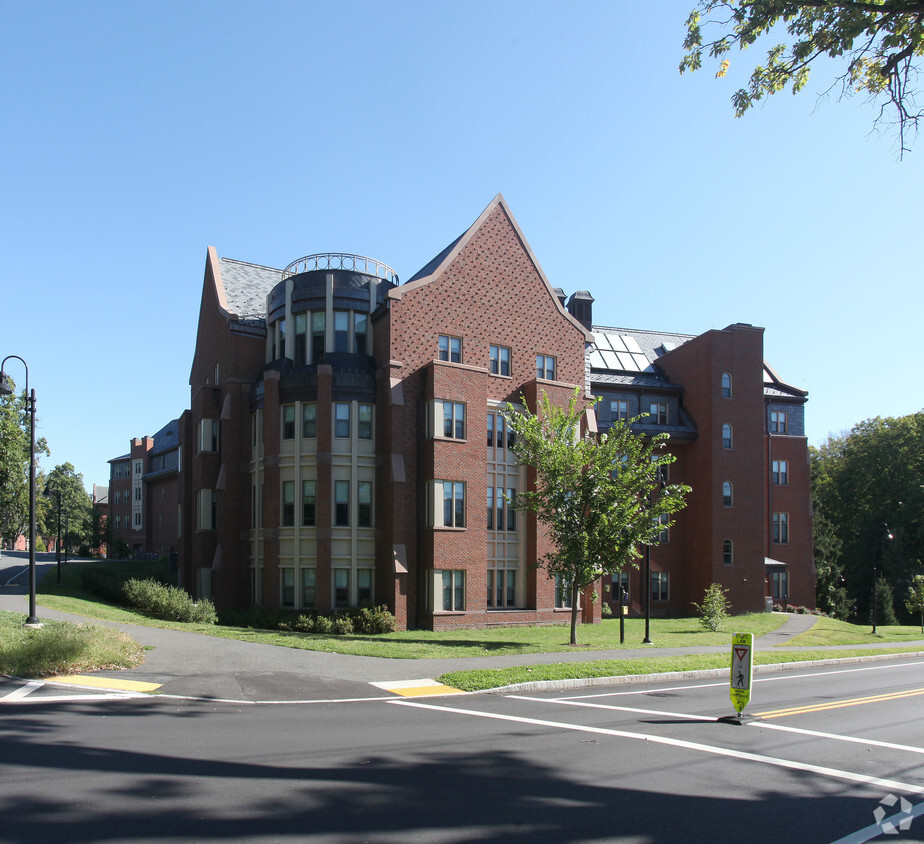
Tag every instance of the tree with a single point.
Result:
(877, 43)
(861, 482)
(714, 608)
(915, 601)
(14, 465)
(76, 505)
(593, 493)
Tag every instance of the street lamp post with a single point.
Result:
(6, 388)
(876, 535)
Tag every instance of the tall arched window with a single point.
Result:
(726, 385)
(728, 553)
(727, 436)
(727, 494)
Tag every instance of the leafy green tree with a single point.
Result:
(76, 506)
(593, 493)
(14, 465)
(862, 482)
(915, 600)
(714, 608)
(876, 44)
(885, 604)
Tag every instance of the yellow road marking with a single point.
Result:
(105, 683)
(418, 688)
(820, 707)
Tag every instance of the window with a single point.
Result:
(453, 590)
(499, 360)
(450, 348)
(728, 557)
(287, 587)
(360, 331)
(780, 472)
(453, 504)
(659, 586)
(619, 409)
(341, 588)
(779, 421)
(446, 504)
(282, 338)
(502, 588)
(309, 420)
(364, 501)
(726, 385)
(364, 581)
(499, 433)
(341, 331)
(545, 367)
(288, 421)
(309, 588)
(318, 326)
(658, 412)
(781, 528)
(288, 503)
(342, 420)
(342, 503)
(309, 503)
(501, 513)
(727, 440)
(664, 533)
(208, 435)
(664, 468)
(727, 500)
(454, 420)
(301, 338)
(365, 422)
(562, 593)
(208, 509)
(779, 585)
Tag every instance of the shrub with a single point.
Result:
(373, 621)
(342, 625)
(714, 609)
(169, 603)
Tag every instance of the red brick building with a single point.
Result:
(344, 445)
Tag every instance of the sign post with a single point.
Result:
(742, 670)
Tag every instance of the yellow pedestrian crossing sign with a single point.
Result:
(741, 670)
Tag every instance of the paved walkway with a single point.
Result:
(198, 665)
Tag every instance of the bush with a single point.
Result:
(342, 625)
(107, 579)
(714, 609)
(169, 603)
(373, 621)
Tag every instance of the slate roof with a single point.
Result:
(626, 356)
(246, 286)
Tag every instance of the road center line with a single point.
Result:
(850, 776)
(887, 745)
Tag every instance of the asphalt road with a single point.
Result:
(647, 763)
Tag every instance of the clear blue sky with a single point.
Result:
(137, 134)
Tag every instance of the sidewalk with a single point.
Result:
(198, 665)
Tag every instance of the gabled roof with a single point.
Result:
(243, 288)
(432, 270)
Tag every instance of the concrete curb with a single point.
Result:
(669, 676)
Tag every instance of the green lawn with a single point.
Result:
(830, 631)
(421, 644)
(58, 647)
(495, 678)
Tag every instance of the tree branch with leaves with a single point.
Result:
(879, 44)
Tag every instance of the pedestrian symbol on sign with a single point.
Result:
(741, 670)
